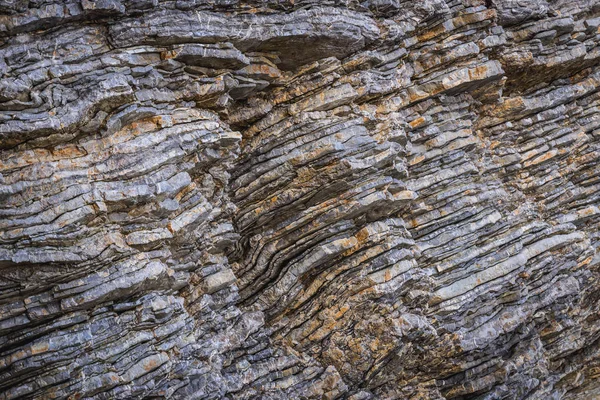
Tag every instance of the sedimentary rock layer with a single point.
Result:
(304, 199)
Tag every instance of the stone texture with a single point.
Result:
(304, 199)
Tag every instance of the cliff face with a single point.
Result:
(304, 199)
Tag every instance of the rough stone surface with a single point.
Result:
(340, 199)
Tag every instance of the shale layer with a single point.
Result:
(339, 199)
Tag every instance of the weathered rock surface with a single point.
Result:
(226, 199)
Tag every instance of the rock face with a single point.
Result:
(341, 199)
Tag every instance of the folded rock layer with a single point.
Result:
(340, 199)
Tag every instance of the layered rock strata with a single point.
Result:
(302, 199)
